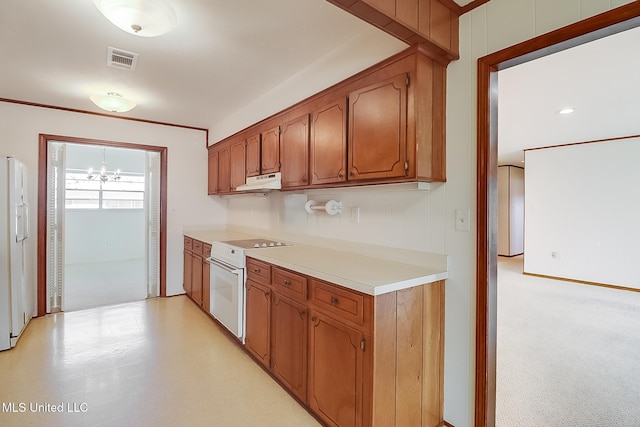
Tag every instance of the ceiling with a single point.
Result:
(221, 55)
(599, 80)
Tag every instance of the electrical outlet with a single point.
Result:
(355, 215)
(555, 255)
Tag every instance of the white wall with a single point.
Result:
(586, 212)
(489, 28)
(187, 200)
(388, 216)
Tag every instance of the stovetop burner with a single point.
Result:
(256, 243)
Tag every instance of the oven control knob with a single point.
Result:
(272, 244)
(264, 245)
(257, 245)
(279, 244)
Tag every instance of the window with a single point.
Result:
(126, 192)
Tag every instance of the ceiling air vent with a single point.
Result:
(122, 59)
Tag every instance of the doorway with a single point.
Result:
(612, 22)
(101, 223)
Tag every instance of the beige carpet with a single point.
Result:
(568, 354)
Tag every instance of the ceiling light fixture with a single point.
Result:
(565, 111)
(103, 171)
(145, 18)
(113, 102)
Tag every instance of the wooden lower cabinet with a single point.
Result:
(196, 271)
(335, 371)
(353, 359)
(289, 326)
(196, 280)
(258, 331)
(206, 279)
(188, 272)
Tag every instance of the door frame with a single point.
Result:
(599, 26)
(43, 153)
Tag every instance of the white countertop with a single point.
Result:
(367, 274)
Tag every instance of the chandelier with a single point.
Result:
(104, 177)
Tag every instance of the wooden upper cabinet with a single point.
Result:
(253, 155)
(224, 170)
(213, 171)
(237, 164)
(328, 145)
(294, 152)
(378, 130)
(386, 124)
(270, 151)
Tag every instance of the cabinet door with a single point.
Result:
(289, 328)
(188, 272)
(294, 152)
(328, 156)
(258, 306)
(196, 279)
(206, 283)
(335, 371)
(223, 171)
(270, 147)
(213, 172)
(253, 155)
(378, 130)
(237, 164)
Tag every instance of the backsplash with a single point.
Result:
(389, 215)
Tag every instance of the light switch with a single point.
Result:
(462, 220)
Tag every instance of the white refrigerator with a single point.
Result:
(14, 231)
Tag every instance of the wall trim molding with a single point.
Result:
(582, 282)
(113, 116)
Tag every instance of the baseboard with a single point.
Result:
(583, 282)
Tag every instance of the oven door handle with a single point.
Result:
(223, 266)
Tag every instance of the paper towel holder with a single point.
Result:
(331, 207)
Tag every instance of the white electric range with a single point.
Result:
(227, 283)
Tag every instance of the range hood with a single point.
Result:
(262, 183)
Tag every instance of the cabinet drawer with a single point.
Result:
(258, 271)
(197, 247)
(188, 243)
(339, 301)
(206, 250)
(289, 283)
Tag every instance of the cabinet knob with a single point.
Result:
(334, 300)
(287, 282)
(352, 173)
(256, 270)
(340, 175)
(314, 318)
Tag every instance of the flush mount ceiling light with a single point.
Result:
(145, 18)
(566, 111)
(113, 102)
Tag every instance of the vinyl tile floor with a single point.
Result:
(159, 362)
